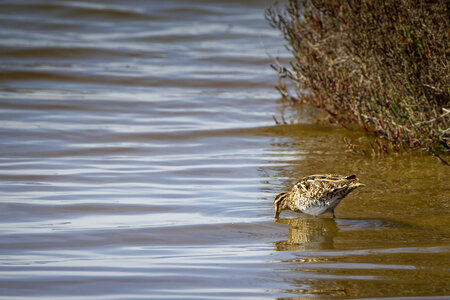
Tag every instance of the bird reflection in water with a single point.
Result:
(308, 234)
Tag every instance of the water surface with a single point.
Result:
(139, 159)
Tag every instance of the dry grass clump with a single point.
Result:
(382, 64)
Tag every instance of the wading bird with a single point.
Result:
(316, 194)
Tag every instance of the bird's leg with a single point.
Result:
(332, 211)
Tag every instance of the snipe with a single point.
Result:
(316, 194)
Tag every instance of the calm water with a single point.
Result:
(139, 159)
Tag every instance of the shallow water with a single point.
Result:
(139, 159)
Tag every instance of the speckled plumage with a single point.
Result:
(316, 194)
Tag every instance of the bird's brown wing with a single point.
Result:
(316, 186)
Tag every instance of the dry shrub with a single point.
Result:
(382, 64)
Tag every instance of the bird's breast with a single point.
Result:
(313, 210)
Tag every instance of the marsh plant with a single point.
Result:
(379, 64)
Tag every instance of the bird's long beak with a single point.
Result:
(277, 212)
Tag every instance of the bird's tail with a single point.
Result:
(356, 184)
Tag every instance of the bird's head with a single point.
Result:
(280, 203)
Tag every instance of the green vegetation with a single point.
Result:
(381, 64)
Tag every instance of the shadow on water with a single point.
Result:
(305, 233)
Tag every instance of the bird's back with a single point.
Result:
(316, 194)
